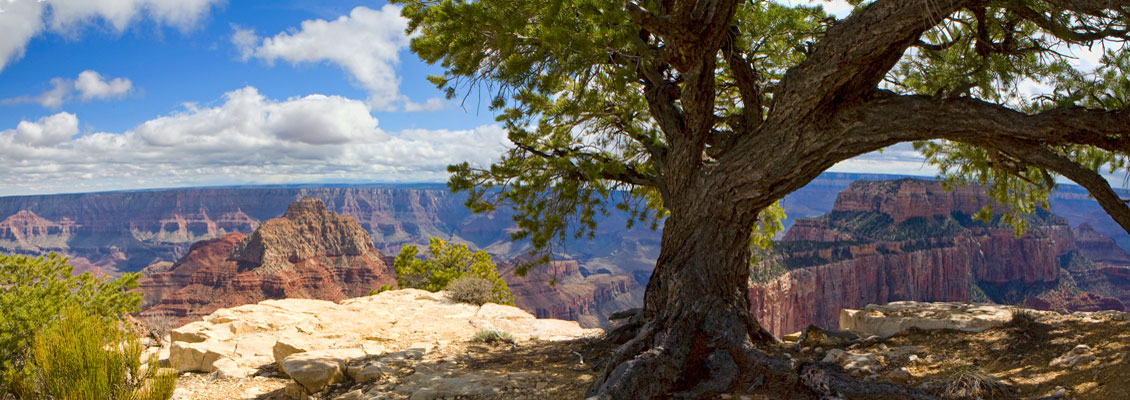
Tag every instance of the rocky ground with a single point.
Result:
(948, 350)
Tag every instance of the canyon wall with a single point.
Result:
(910, 239)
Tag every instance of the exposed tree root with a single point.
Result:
(697, 358)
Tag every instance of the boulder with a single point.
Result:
(895, 317)
(315, 370)
(198, 357)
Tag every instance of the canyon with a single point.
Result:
(911, 239)
(117, 232)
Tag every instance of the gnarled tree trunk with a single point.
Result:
(698, 335)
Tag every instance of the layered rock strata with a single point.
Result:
(913, 240)
(308, 253)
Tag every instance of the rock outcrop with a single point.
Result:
(896, 317)
(308, 253)
(319, 343)
(912, 240)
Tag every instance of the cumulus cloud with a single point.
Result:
(247, 139)
(366, 44)
(89, 85)
(48, 131)
(21, 20)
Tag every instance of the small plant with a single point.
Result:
(159, 325)
(474, 290)
(493, 336)
(384, 288)
(968, 381)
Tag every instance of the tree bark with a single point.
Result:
(699, 335)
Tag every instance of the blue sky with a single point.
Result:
(131, 94)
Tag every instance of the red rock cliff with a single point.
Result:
(308, 253)
(903, 240)
(560, 291)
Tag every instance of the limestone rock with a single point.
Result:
(893, 318)
(318, 343)
(317, 369)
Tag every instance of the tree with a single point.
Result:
(446, 264)
(703, 113)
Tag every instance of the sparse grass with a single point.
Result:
(1025, 326)
(967, 381)
(492, 336)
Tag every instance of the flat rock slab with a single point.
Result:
(314, 341)
(895, 317)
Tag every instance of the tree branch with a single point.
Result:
(896, 119)
(1098, 186)
(747, 79)
(629, 175)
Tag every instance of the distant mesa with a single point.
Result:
(307, 253)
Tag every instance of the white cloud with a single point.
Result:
(366, 44)
(246, 139)
(53, 98)
(89, 84)
(48, 131)
(245, 40)
(21, 20)
(70, 15)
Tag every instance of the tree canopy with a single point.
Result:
(707, 112)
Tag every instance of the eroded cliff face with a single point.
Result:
(125, 232)
(308, 253)
(561, 291)
(912, 240)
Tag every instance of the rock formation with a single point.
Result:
(913, 240)
(308, 253)
(319, 343)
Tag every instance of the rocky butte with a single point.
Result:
(307, 253)
(912, 240)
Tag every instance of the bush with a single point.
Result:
(473, 290)
(384, 288)
(491, 336)
(447, 263)
(81, 356)
(39, 302)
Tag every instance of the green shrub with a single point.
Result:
(384, 288)
(34, 293)
(81, 356)
(445, 264)
(491, 336)
(473, 290)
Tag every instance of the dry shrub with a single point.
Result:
(472, 290)
(491, 336)
(971, 382)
